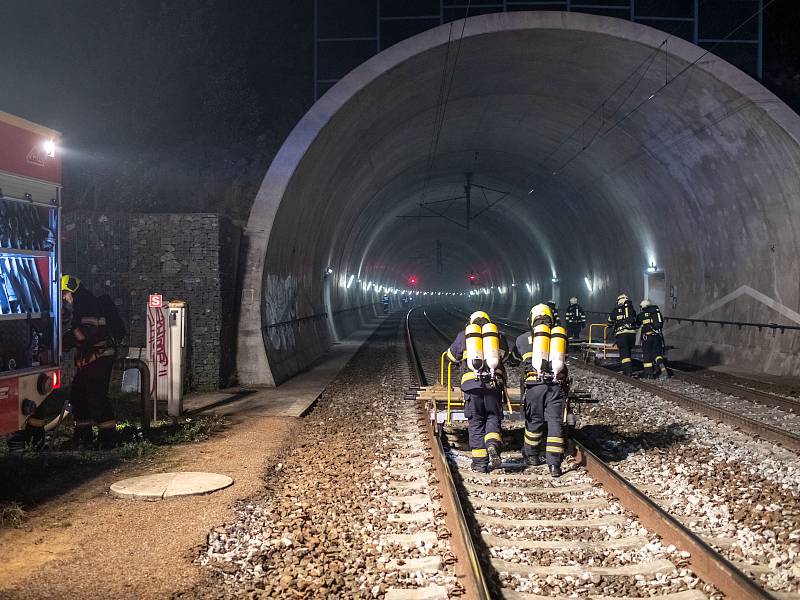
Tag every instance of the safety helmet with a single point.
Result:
(69, 283)
(573, 300)
(644, 303)
(622, 299)
(540, 312)
(479, 314)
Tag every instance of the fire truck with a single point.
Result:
(30, 268)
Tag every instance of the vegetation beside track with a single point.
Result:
(31, 477)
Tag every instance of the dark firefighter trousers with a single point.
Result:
(574, 330)
(625, 343)
(544, 404)
(88, 394)
(483, 409)
(652, 354)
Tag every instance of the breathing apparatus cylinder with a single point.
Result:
(474, 342)
(541, 348)
(491, 346)
(558, 348)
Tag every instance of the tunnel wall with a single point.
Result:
(702, 181)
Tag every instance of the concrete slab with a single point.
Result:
(166, 485)
(413, 501)
(292, 398)
(417, 517)
(644, 568)
(424, 564)
(409, 540)
(431, 592)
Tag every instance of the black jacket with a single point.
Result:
(650, 320)
(88, 331)
(623, 318)
(575, 315)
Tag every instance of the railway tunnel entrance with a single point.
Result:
(596, 149)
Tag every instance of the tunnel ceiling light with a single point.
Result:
(329, 271)
(554, 279)
(350, 281)
(652, 268)
(513, 285)
(530, 289)
(588, 283)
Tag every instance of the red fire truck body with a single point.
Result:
(30, 268)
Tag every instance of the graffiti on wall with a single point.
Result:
(280, 306)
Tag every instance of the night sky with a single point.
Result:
(180, 106)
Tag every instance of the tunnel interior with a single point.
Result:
(601, 154)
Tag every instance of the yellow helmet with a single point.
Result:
(478, 314)
(69, 283)
(541, 311)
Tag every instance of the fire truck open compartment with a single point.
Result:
(30, 214)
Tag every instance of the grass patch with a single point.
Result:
(28, 478)
(11, 514)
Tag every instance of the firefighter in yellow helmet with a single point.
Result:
(544, 399)
(481, 350)
(87, 330)
(623, 322)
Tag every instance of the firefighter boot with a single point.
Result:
(107, 438)
(627, 367)
(531, 454)
(29, 438)
(555, 470)
(494, 457)
(82, 437)
(534, 459)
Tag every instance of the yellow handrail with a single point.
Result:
(605, 335)
(449, 389)
(441, 368)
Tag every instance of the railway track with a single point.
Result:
(740, 391)
(591, 532)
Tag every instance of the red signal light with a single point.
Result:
(471, 277)
(412, 280)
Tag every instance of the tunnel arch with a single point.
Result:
(701, 180)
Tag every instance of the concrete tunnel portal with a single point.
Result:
(620, 147)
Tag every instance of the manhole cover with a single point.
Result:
(167, 485)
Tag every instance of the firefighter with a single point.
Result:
(544, 399)
(653, 349)
(575, 317)
(622, 321)
(481, 349)
(88, 332)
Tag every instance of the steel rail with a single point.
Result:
(740, 391)
(765, 430)
(476, 585)
(706, 562)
